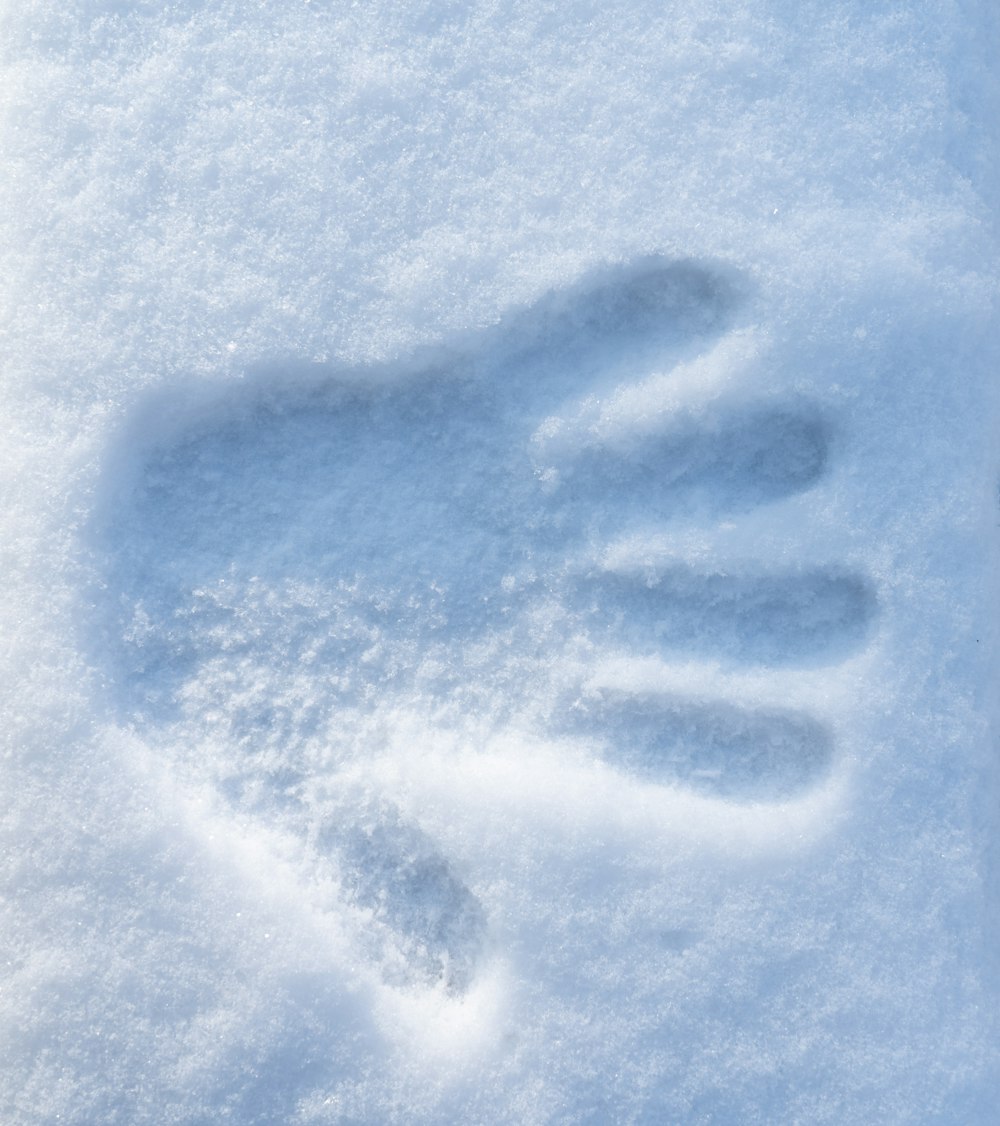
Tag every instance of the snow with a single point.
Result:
(500, 540)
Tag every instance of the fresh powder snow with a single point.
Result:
(501, 509)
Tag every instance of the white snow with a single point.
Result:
(500, 534)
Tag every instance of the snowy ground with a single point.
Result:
(500, 543)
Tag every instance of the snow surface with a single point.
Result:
(500, 511)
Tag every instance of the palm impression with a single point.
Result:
(293, 569)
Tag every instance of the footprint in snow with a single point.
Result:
(291, 562)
